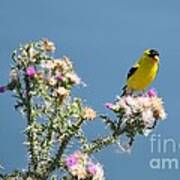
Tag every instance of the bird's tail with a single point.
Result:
(124, 91)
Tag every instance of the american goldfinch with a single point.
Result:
(142, 74)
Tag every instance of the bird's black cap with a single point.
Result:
(153, 52)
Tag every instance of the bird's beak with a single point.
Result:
(156, 58)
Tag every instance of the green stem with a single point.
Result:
(30, 121)
(50, 127)
(100, 143)
(65, 141)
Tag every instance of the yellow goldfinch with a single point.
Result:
(142, 74)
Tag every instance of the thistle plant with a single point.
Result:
(42, 87)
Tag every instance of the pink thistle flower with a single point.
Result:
(2, 89)
(92, 169)
(109, 106)
(59, 77)
(71, 161)
(30, 71)
(152, 92)
(81, 166)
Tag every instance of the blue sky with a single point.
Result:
(103, 38)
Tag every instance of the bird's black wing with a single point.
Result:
(132, 71)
